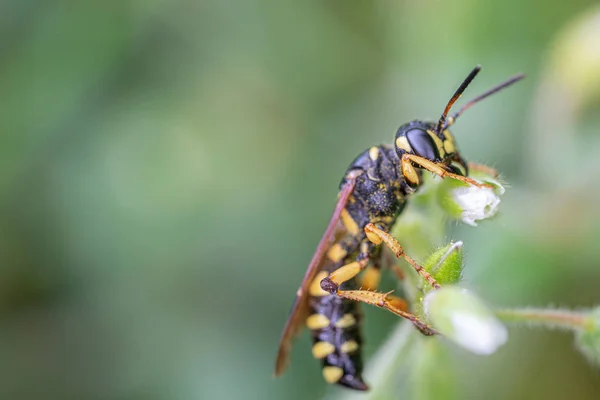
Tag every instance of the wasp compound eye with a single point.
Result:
(422, 144)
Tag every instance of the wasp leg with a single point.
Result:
(345, 273)
(483, 168)
(378, 236)
(408, 170)
(391, 303)
(371, 276)
(390, 263)
(395, 268)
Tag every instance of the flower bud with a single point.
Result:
(463, 318)
(471, 203)
(445, 264)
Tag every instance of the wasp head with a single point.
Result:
(420, 138)
(434, 141)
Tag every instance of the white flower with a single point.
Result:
(477, 203)
(461, 317)
(471, 203)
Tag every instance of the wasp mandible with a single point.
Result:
(373, 192)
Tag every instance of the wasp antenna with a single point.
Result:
(482, 96)
(456, 96)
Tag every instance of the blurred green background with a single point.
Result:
(167, 169)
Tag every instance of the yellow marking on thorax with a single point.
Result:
(385, 219)
(402, 143)
(346, 321)
(438, 143)
(349, 223)
(349, 347)
(374, 153)
(317, 321)
(315, 286)
(332, 374)
(449, 146)
(322, 349)
(336, 253)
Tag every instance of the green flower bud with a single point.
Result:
(463, 318)
(445, 264)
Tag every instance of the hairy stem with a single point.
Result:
(550, 318)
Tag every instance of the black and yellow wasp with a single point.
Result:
(372, 194)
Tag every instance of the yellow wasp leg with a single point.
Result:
(393, 304)
(397, 271)
(370, 278)
(378, 236)
(410, 174)
(390, 262)
(346, 272)
(483, 168)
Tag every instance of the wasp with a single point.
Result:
(373, 193)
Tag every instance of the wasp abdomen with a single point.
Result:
(335, 331)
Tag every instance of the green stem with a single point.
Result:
(546, 317)
(385, 366)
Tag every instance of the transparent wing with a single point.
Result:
(299, 311)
